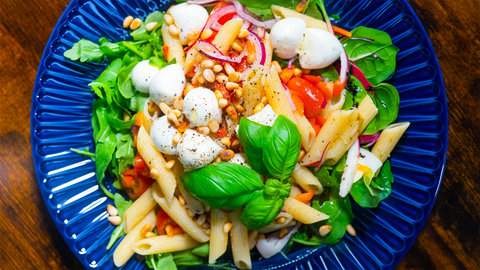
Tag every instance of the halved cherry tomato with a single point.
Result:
(135, 184)
(220, 5)
(320, 121)
(297, 101)
(312, 79)
(226, 94)
(338, 88)
(163, 219)
(286, 75)
(314, 125)
(141, 167)
(327, 89)
(250, 47)
(305, 197)
(140, 119)
(165, 51)
(243, 65)
(221, 132)
(310, 94)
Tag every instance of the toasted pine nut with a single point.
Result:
(237, 47)
(150, 26)
(169, 230)
(222, 78)
(227, 227)
(164, 108)
(128, 20)
(218, 160)
(173, 30)
(351, 230)
(251, 58)
(190, 213)
(205, 225)
(252, 239)
(258, 108)
(301, 155)
(324, 230)
(203, 130)
(208, 74)
(192, 37)
(176, 138)
(135, 24)
(231, 85)
(301, 6)
(235, 77)
(189, 65)
(283, 232)
(222, 103)
(243, 34)
(112, 211)
(201, 219)
(126, 116)
(199, 58)
(149, 235)
(181, 200)
(214, 126)
(217, 68)
(154, 173)
(177, 113)
(226, 155)
(225, 141)
(115, 220)
(277, 66)
(201, 79)
(281, 220)
(229, 69)
(168, 19)
(235, 144)
(207, 64)
(218, 95)
(306, 71)
(297, 72)
(207, 231)
(170, 164)
(172, 118)
(207, 209)
(265, 101)
(239, 108)
(239, 93)
(232, 112)
(146, 228)
(189, 88)
(206, 34)
(178, 104)
(183, 127)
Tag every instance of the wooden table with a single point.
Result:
(449, 240)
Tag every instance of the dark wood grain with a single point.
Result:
(449, 240)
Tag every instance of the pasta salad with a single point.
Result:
(236, 130)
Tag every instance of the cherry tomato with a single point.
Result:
(297, 101)
(314, 125)
(286, 75)
(141, 167)
(163, 219)
(212, 37)
(313, 79)
(226, 94)
(220, 5)
(135, 184)
(243, 65)
(338, 88)
(320, 121)
(165, 51)
(327, 88)
(140, 119)
(310, 94)
(305, 197)
(221, 132)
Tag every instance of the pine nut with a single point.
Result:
(229, 69)
(251, 58)
(218, 95)
(297, 72)
(232, 112)
(190, 213)
(173, 30)
(222, 103)
(281, 220)
(206, 33)
(176, 138)
(189, 66)
(225, 141)
(351, 230)
(243, 34)
(237, 47)
(207, 209)
(207, 64)
(235, 77)
(239, 108)
(208, 74)
(301, 155)
(164, 108)
(239, 93)
(201, 79)
(192, 37)
(258, 108)
(172, 118)
(177, 113)
(135, 24)
(324, 230)
(178, 104)
(222, 78)
(126, 116)
(265, 101)
(214, 126)
(181, 200)
(183, 127)
(227, 227)
(128, 20)
(170, 164)
(283, 232)
(169, 230)
(150, 26)
(205, 225)
(168, 19)
(203, 130)
(277, 66)
(231, 85)
(112, 211)
(306, 71)
(201, 219)
(149, 235)
(207, 231)
(199, 58)
(217, 68)
(154, 173)
(115, 220)
(235, 144)
(189, 88)
(146, 228)
(218, 160)
(301, 6)
(226, 155)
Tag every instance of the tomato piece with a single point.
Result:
(141, 167)
(165, 51)
(140, 119)
(286, 75)
(297, 101)
(312, 79)
(310, 94)
(177, 230)
(163, 219)
(212, 37)
(305, 197)
(135, 184)
(226, 94)
(320, 121)
(243, 65)
(221, 132)
(250, 47)
(220, 5)
(327, 89)
(314, 125)
(338, 88)
(135, 140)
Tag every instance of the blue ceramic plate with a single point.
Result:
(60, 120)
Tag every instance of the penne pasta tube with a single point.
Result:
(154, 159)
(138, 210)
(333, 105)
(163, 243)
(175, 48)
(194, 205)
(305, 178)
(179, 215)
(306, 129)
(344, 140)
(388, 139)
(302, 212)
(124, 250)
(240, 244)
(277, 226)
(218, 238)
(252, 89)
(281, 13)
(227, 34)
(366, 112)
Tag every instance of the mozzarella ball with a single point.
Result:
(189, 18)
(286, 37)
(319, 49)
(265, 117)
(200, 106)
(196, 150)
(142, 75)
(168, 84)
(240, 159)
(162, 133)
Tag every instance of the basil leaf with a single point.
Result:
(224, 185)
(253, 137)
(340, 215)
(264, 208)
(282, 149)
(387, 100)
(373, 52)
(379, 188)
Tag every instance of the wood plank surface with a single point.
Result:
(449, 240)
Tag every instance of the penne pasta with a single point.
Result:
(163, 243)
(175, 48)
(388, 139)
(277, 226)
(281, 13)
(179, 215)
(240, 245)
(218, 238)
(305, 178)
(194, 205)
(154, 159)
(302, 212)
(252, 89)
(227, 34)
(138, 210)
(343, 141)
(268, 60)
(306, 129)
(366, 112)
(335, 104)
(124, 250)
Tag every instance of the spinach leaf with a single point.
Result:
(263, 8)
(387, 100)
(355, 93)
(122, 205)
(202, 250)
(373, 52)
(125, 85)
(282, 148)
(264, 208)
(340, 215)
(329, 73)
(224, 185)
(85, 51)
(253, 137)
(370, 194)
(306, 236)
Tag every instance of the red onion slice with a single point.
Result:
(357, 72)
(369, 139)
(260, 55)
(242, 12)
(209, 50)
(350, 169)
(272, 244)
(261, 32)
(324, 103)
(321, 158)
(289, 97)
(290, 62)
(344, 63)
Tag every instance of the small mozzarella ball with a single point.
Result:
(240, 159)
(162, 133)
(168, 84)
(286, 37)
(189, 18)
(200, 106)
(196, 150)
(319, 49)
(265, 117)
(142, 75)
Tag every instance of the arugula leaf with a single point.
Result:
(103, 86)
(252, 137)
(282, 149)
(224, 185)
(115, 118)
(85, 51)
(137, 101)
(369, 195)
(340, 215)
(85, 152)
(202, 250)
(125, 85)
(387, 100)
(122, 205)
(373, 52)
(125, 153)
(264, 208)
(156, 16)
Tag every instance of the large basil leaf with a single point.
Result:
(264, 208)
(253, 137)
(224, 185)
(340, 215)
(370, 194)
(387, 100)
(373, 52)
(282, 149)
